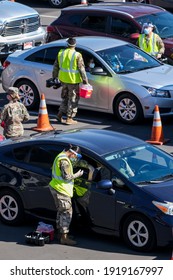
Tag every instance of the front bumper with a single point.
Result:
(9, 45)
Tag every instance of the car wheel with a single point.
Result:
(58, 3)
(29, 95)
(11, 208)
(138, 233)
(128, 109)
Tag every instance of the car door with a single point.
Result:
(42, 64)
(100, 95)
(108, 205)
(121, 28)
(33, 164)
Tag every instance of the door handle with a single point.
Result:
(25, 175)
(42, 72)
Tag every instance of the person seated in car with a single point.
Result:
(90, 65)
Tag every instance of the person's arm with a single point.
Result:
(64, 166)
(3, 114)
(81, 68)
(55, 71)
(161, 46)
(26, 115)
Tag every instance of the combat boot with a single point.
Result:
(70, 121)
(59, 117)
(65, 240)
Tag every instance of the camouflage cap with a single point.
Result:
(13, 92)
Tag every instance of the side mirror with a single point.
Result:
(98, 71)
(104, 184)
(134, 36)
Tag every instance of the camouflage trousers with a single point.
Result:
(70, 99)
(64, 211)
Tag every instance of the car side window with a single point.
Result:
(96, 23)
(46, 56)
(75, 20)
(122, 27)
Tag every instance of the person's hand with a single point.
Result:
(79, 173)
(159, 55)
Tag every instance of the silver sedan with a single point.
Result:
(126, 81)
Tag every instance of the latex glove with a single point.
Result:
(78, 174)
(159, 55)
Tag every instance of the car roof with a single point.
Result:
(92, 42)
(130, 9)
(90, 139)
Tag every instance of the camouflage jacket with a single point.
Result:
(81, 68)
(13, 114)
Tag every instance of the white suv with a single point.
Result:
(20, 28)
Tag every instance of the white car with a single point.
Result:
(126, 81)
(20, 28)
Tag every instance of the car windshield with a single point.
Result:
(127, 58)
(163, 23)
(144, 164)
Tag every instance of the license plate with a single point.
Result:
(27, 45)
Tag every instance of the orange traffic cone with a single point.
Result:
(157, 132)
(43, 123)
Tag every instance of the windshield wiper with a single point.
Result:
(126, 71)
(149, 182)
(167, 177)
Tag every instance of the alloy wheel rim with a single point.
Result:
(127, 109)
(138, 233)
(26, 95)
(8, 208)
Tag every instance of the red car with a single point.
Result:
(118, 20)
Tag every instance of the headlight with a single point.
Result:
(158, 92)
(166, 208)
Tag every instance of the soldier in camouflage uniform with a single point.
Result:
(69, 68)
(61, 187)
(13, 114)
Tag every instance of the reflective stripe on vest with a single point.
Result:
(58, 183)
(68, 72)
(151, 48)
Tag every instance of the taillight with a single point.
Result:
(5, 64)
(51, 28)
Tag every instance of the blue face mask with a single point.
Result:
(146, 31)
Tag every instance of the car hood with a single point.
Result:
(161, 191)
(10, 10)
(155, 77)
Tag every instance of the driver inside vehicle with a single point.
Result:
(123, 166)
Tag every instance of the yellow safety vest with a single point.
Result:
(150, 48)
(58, 183)
(68, 73)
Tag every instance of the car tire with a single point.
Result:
(29, 94)
(58, 3)
(128, 109)
(138, 233)
(11, 208)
